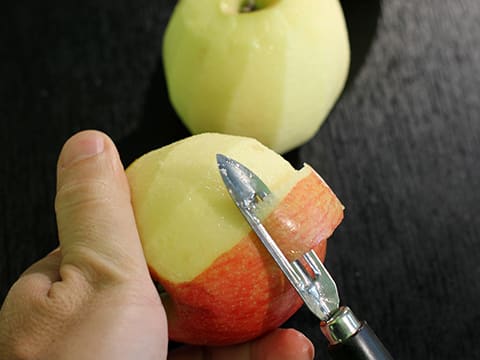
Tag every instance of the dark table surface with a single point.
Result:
(401, 149)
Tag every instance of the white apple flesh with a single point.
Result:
(222, 286)
(272, 72)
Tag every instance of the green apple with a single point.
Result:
(222, 286)
(268, 69)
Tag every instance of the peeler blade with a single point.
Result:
(244, 186)
(247, 190)
(349, 338)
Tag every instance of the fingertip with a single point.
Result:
(82, 145)
(89, 153)
(280, 344)
(284, 344)
(87, 146)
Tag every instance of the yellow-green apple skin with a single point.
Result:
(272, 74)
(222, 287)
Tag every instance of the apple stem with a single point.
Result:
(248, 6)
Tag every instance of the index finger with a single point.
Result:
(280, 344)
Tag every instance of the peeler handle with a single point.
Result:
(351, 339)
(364, 345)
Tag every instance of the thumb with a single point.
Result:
(95, 220)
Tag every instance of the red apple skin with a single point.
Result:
(243, 294)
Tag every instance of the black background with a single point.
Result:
(401, 149)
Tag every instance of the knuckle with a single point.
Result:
(86, 193)
(96, 268)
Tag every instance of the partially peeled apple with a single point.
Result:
(221, 286)
(267, 69)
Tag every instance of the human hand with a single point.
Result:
(93, 297)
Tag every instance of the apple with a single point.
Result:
(220, 285)
(270, 69)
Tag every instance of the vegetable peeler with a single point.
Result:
(348, 337)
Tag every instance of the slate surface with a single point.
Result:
(401, 149)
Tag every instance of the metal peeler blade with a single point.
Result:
(247, 190)
(349, 338)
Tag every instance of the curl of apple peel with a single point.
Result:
(220, 285)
